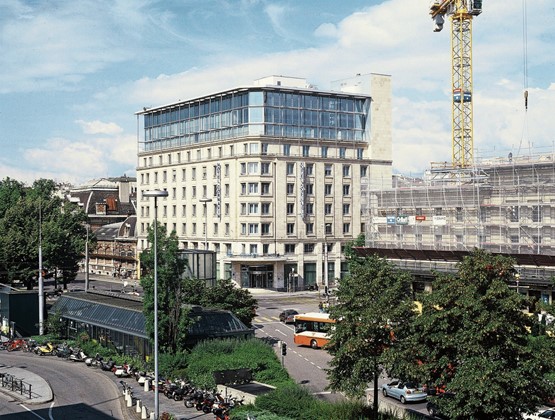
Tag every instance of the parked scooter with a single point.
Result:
(93, 361)
(124, 371)
(47, 350)
(78, 356)
(107, 366)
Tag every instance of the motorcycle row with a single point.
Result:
(179, 390)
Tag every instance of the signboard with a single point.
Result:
(439, 220)
(402, 220)
(391, 220)
(302, 181)
(219, 191)
(420, 218)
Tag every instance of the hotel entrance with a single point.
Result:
(257, 276)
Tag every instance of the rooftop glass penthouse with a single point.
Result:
(258, 111)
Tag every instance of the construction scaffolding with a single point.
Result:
(501, 205)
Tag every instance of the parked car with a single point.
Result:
(541, 415)
(433, 407)
(288, 316)
(404, 391)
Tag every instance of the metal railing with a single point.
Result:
(16, 385)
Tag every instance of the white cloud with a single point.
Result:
(99, 127)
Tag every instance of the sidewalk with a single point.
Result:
(40, 389)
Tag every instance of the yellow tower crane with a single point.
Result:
(461, 13)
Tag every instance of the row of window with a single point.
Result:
(251, 228)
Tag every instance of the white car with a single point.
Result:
(541, 415)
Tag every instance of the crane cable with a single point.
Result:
(525, 52)
(525, 78)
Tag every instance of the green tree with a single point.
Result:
(225, 295)
(473, 339)
(173, 320)
(374, 307)
(38, 216)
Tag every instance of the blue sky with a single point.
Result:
(74, 73)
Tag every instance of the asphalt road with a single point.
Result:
(304, 364)
(79, 393)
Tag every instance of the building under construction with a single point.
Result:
(500, 205)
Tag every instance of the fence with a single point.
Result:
(16, 385)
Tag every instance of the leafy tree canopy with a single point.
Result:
(474, 340)
(373, 311)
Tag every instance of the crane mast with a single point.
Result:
(461, 13)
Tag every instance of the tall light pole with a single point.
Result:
(87, 226)
(41, 282)
(156, 194)
(205, 201)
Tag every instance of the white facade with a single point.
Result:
(266, 175)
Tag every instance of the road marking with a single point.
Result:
(32, 412)
(282, 333)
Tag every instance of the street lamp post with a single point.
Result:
(205, 201)
(87, 226)
(156, 194)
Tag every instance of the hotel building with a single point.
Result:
(268, 176)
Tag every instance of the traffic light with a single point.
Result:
(283, 348)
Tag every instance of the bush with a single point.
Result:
(210, 356)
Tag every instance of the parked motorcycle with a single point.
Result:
(107, 366)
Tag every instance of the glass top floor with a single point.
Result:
(257, 112)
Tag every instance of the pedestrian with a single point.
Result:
(321, 307)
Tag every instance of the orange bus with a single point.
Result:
(312, 329)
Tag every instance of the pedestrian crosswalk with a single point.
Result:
(265, 319)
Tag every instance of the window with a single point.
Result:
(226, 209)
(309, 189)
(346, 189)
(253, 187)
(346, 209)
(265, 208)
(227, 229)
(194, 228)
(204, 172)
(346, 170)
(243, 228)
(308, 248)
(183, 210)
(265, 249)
(309, 208)
(253, 228)
(290, 169)
(290, 208)
(342, 151)
(514, 213)
(264, 148)
(194, 174)
(253, 249)
(194, 192)
(243, 168)
(459, 214)
(536, 214)
(327, 208)
(252, 168)
(363, 170)
(265, 228)
(265, 168)
(290, 189)
(253, 148)
(286, 150)
(346, 228)
(327, 189)
(243, 188)
(324, 151)
(226, 170)
(183, 228)
(183, 192)
(290, 228)
(310, 228)
(194, 210)
(289, 248)
(265, 188)
(306, 151)
(243, 209)
(309, 169)
(328, 229)
(253, 208)
(360, 154)
(328, 170)
(226, 190)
